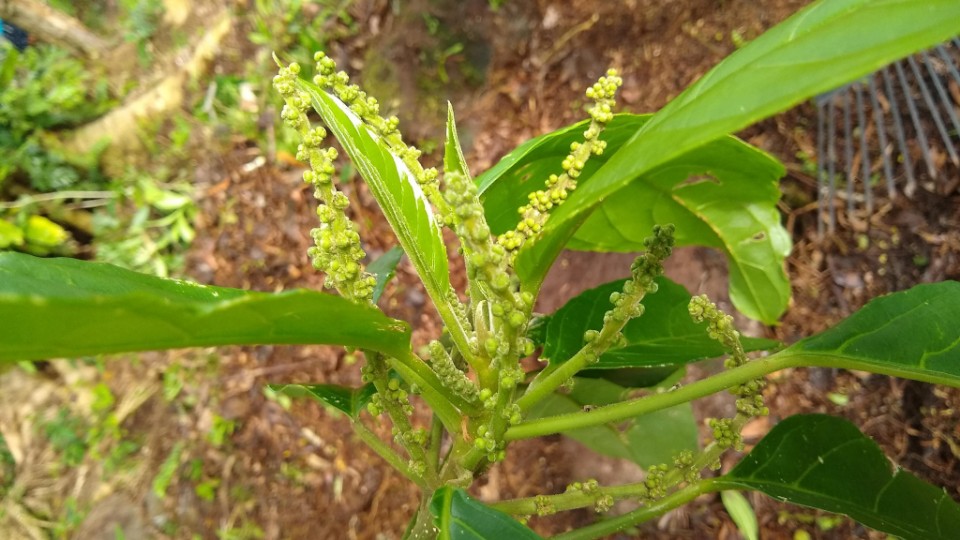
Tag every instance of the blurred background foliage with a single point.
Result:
(63, 194)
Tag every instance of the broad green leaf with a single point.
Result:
(647, 440)
(453, 159)
(825, 462)
(663, 336)
(460, 517)
(65, 307)
(350, 401)
(913, 334)
(722, 195)
(741, 513)
(384, 269)
(397, 192)
(811, 52)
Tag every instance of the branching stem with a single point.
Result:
(628, 409)
(387, 453)
(645, 513)
(443, 402)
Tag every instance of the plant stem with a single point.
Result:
(436, 440)
(434, 393)
(387, 453)
(423, 526)
(655, 509)
(629, 409)
(401, 422)
(570, 500)
(625, 305)
(454, 325)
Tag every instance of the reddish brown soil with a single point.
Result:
(305, 475)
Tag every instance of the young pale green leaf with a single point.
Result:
(741, 513)
(825, 462)
(460, 517)
(396, 190)
(65, 307)
(647, 440)
(722, 195)
(384, 269)
(912, 334)
(810, 53)
(453, 159)
(663, 336)
(350, 401)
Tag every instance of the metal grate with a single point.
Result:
(873, 134)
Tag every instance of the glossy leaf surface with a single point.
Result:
(741, 513)
(722, 195)
(453, 159)
(811, 52)
(913, 334)
(350, 401)
(650, 439)
(663, 336)
(66, 307)
(827, 463)
(393, 185)
(384, 268)
(460, 517)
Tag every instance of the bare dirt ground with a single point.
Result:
(298, 472)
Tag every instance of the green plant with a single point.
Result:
(615, 344)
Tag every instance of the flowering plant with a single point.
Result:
(678, 179)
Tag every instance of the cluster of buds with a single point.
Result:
(543, 506)
(368, 109)
(725, 433)
(534, 214)
(337, 250)
(486, 261)
(601, 502)
(685, 462)
(627, 303)
(721, 328)
(656, 481)
(452, 377)
(486, 440)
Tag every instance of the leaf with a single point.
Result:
(825, 462)
(384, 269)
(663, 336)
(393, 186)
(66, 307)
(647, 440)
(453, 159)
(350, 401)
(811, 52)
(912, 334)
(460, 517)
(741, 513)
(722, 195)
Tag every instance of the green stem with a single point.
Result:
(459, 334)
(549, 380)
(387, 453)
(654, 509)
(570, 500)
(629, 409)
(401, 422)
(423, 527)
(626, 306)
(443, 402)
(436, 440)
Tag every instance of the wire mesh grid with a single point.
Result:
(885, 135)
